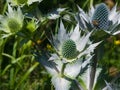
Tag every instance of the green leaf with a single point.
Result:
(12, 81)
(99, 35)
(25, 76)
(82, 83)
(6, 68)
(9, 56)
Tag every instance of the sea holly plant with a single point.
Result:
(12, 22)
(69, 46)
(24, 30)
(104, 23)
(100, 18)
(72, 53)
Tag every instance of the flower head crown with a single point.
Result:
(12, 22)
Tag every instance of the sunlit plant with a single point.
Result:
(30, 31)
(104, 23)
(73, 52)
(100, 18)
(12, 22)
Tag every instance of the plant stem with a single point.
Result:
(91, 3)
(63, 68)
(11, 81)
(2, 44)
(4, 8)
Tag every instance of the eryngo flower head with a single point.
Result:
(72, 55)
(100, 17)
(71, 45)
(12, 22)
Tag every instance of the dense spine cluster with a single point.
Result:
(14, 25)
(69, 49)
(100, 16)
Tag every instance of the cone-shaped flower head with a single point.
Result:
(71, 45)
(100, 16)
(12, 22)
(69, 49)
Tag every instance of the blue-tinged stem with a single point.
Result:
(63, 68)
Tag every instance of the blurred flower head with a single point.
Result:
(22, 2)
(32, 25)
(71, 45)
(56, 13)
(12, 22)
(101, 18)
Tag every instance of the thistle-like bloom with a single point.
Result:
(12, 22)
(71, 48)
(71, 45)
(100, 18)
(22, 2)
